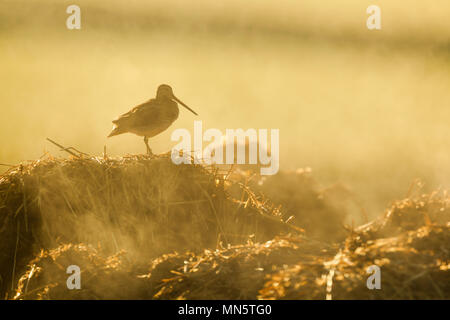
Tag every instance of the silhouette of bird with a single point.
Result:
(150, 118)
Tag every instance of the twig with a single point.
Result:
(255, 204)
(7, 165)
(15, 255)
(63, 148)
(80, 152)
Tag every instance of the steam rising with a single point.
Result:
(367, 108)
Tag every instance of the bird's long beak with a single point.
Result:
(181, 102)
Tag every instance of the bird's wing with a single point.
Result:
(122, 119)
(133, 114)
(141, 115)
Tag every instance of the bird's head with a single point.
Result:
(165, 92)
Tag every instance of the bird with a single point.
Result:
(151, 117)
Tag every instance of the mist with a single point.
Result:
(369, 109)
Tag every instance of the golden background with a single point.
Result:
(369, 109)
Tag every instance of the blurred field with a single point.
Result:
(368, 109)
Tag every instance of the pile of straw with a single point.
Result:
(144, 205)
(102, 277)
(143, 228)
(238, 272)
(409, 244)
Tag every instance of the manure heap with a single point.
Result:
(140, 227)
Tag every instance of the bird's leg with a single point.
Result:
(149, 151)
